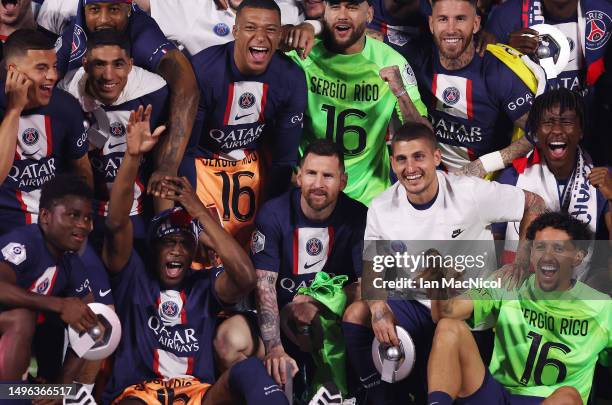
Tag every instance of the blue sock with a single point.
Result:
(358, 340)
(252, 381)
(439, 398)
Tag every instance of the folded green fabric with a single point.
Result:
(330, 358)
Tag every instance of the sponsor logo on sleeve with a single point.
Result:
(14, 253)
(258, 242)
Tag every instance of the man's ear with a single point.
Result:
(43, 216)
(579, 257)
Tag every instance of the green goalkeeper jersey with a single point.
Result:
(350, 104)
(544, 341)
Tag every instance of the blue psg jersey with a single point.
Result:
(472, 109)
(399, 32)
(149, 44)
(106, 158)
(166, 333)
(237, 112)
(47, 139)
(288, 243)
(37, 270)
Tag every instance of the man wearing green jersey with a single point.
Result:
(355, 86)
(549, 332)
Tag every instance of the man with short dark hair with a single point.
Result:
(477, 100)
(252, 99)
(108, 88)
(559, 166)
(425, 204)
(309, 229)
(40, 272)
(537, 357)
(355, 106)
(168, 311)
(42, 128)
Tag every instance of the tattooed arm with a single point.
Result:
(276, 359)
(534, 207)
(184, 97)
(460, 308)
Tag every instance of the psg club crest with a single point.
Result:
(596, 32)
(117, 129)
(79, 40)
(221, 29)
(170, 309)
(451, 95)
(42, 287)
(314, 246)
(30, 136)
(246, 100)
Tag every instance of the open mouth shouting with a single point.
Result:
(259, 54)
(548, 271)
(342, 30)
(557, 148)
(10, 5)
(173, 269)
(45, 90)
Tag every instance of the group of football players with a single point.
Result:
(221, 173)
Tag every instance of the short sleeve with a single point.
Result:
(149, 44)
(266, 241)
(16, 252)
(75, 142)
(373, 230)
(486, 305)
(511, 94)
(498, 202)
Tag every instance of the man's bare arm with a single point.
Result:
(184, 97)
(534, 207)
(267, 309)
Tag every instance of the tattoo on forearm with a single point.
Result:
(267, 309)
(515, 150)
(534, 204)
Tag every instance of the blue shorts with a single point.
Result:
(415, 318)
(492, 392)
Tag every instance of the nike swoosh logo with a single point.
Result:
(239, 117)
(30, 154)
(456, 233)
(368, 377)
(113, 146)
(104, 293)
(307, 266)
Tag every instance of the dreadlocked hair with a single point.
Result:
(562, 97)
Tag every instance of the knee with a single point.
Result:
(450, 329)
(357, 313)
(231, 339)
(567, 396)
(21, 322)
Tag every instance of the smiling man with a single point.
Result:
(425, 204)
(42, 128)
(108, 88)
(168, 311)
(309, 229)
(559, 165)
(477, 100)
(354, 106)
(549, 332)
(252, 98)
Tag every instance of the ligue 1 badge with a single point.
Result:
(100, 341)
(553, 52)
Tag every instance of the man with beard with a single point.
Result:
(309, 229)
(475, 100)
(348, 99)
(424, 205)
(559, 166)
(538, 358)
(252, 100)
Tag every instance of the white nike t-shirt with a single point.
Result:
(198, 24)
(465, 207)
